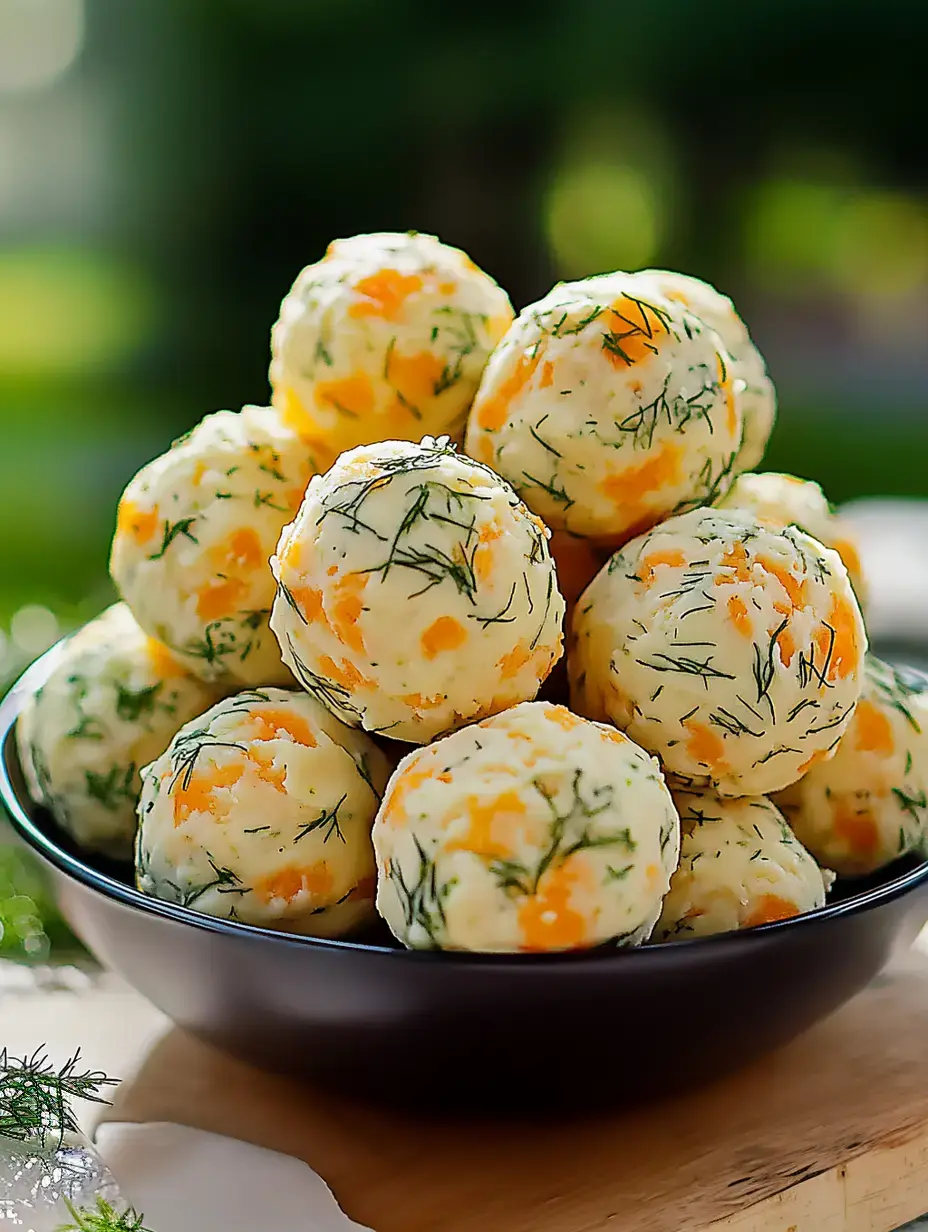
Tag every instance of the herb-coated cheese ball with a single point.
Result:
(608, 409)
(261, 811)
(782, 500)
(753, 387)
(384, 338)
(194, 534)
(732, 651)
(740, 866)
(869, 804)
(112, 702)
(415, 591)
(534, 830)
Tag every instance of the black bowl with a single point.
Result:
(427, 1028)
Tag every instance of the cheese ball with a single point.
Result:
(869, 805)
(753, 387)
(740, 866)
(732, 651)
(384, 338)
(534, 830)
(608, 409)
(194, 534)
(415, 591)
(783, 500)
(112, 702)
(261, 811)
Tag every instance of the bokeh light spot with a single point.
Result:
(64, 311)
(39, 41)
(33, 629)
(602, 216)
(880, 244)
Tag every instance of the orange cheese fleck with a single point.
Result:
(138, 524)
(347, 610)
(196, 795)
(547, 375)
(384, 294)
(513, 662)
(637, 331)
(850, 555)
(629, 489)
(415, 774)
(736, 558)
(873, 732)
(266, 771)
(726, 384)
(351, 395)
(198, 472)
(705, 746)
(769, 908)
(416, 378)
(288, 883)
(786, 644)
(795, 587)
(857, 828)
(547, 920)
(275, 724)
(845, 651)
(647, 569)
(162, 660)
(493, 826)
(347, 675)
(491, 412)
(561, 717)
(217, 600)
(738, 615)
(444, 634)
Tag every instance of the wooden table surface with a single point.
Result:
(828, 1135)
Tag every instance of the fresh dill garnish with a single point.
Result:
(331, 694)
(113, 789)
(502, 617)
(543, 443)
(327, 818)
(731, 723)
(618, 874)
(421, 901)
(558, 494)
(131, 704)
(764, 667)
(88, 726)
(688, 666)
(912, 803)
(288, 598)
(34, 1097)
(187, 748)
(641, 424)
(224, 881)
(516, 877)
(171, 531)
(103, 1218)
(217, 643)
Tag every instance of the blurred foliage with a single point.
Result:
(31, 930)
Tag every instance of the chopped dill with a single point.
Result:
(172, 530)
(34, 1097)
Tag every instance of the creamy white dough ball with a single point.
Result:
(782, 500)
(194, 534)
(608, 408)
(732, 651)
(753, 387)
(416, 591)
(869, 805)
(384, 338)
(534, 830)
(261, 811)
(114, 699)
(740, 866)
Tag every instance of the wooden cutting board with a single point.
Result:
(828, 1135)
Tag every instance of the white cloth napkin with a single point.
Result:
(185, 1180)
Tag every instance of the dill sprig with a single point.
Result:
(103, 1218)
(34, 1097)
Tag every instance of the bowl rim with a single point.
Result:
(44, 846)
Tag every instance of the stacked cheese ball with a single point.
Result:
(308, 578)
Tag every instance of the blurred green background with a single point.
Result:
(167, 166)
